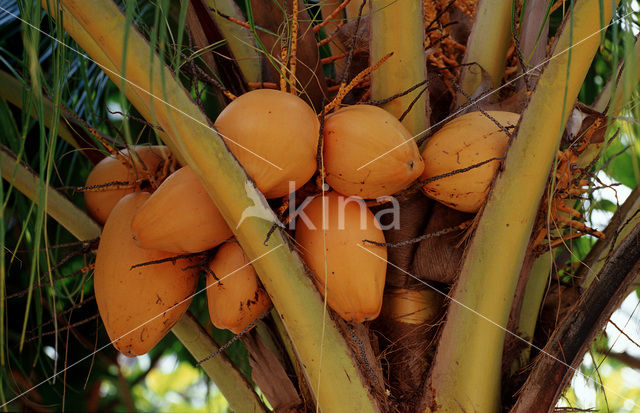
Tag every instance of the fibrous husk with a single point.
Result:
(270, 376)
(345, 38)
(440, 258)
(412, 217)
(558, 301)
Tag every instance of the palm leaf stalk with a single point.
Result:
(11, 90)
(617, 92)
(486, 48)
(407, 67)
(67, 128)
(622, 223)
(236, 389)
(63, 211)
(629, 74)
(93, 50)
(467, 367)
(533, 295)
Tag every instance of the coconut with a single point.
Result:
(180, 217)
(101, 201)
(235, 299)
(463, 142)
(274, 135)
(138, 306)
(352, 281)
(368, 153)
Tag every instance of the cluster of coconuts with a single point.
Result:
(367, 153)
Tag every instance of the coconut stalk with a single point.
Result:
(467, 367)
(235, 388)
(487, 47)
(327, 361)
(398, 27)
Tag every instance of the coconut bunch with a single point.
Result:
(149, 258)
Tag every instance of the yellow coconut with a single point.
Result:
(369, 153)
(274, 135)
(180, 217)
(235, 299)
(137, 306)
(465, 141)
(112, 170)
(353, 279)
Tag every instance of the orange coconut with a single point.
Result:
(369, 153)
(180, 217)
(355, 270)
(137, 306)
(235, 298)
(110, 169)
(274, 135)
(465, 141)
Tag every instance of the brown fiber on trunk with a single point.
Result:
(440, 258)
(411, 217)
(408, 336)
(270, 376)
(344, 38)
(268, 18)
(364, 345)
(404, 338)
